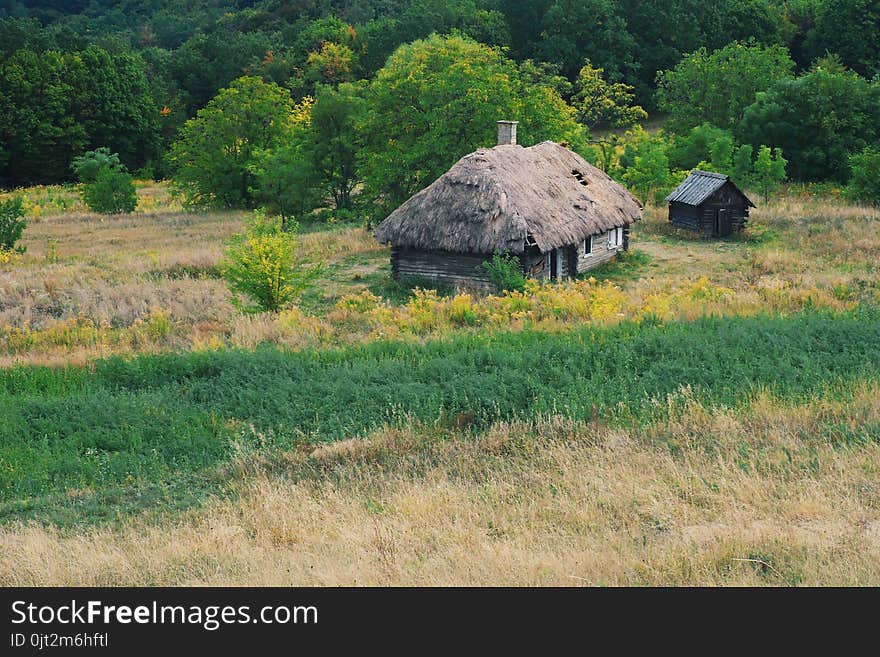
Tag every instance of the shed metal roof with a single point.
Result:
(699, 186)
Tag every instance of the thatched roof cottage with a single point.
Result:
(557, 213)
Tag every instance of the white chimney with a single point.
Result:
(507, 133)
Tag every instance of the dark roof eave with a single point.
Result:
(514, 246)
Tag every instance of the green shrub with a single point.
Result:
(769, 171)
(262, 265)
(505, 272)
(11, 224)
(645, 166)
(112, 192)
(864, 183)
(88, 165)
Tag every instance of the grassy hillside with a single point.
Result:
(699, 412)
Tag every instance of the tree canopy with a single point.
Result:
(716, 87)
(438, 99)
(214, 156)
(818, 120)
(128, 74)
(54, 105)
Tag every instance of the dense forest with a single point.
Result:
(798, 78)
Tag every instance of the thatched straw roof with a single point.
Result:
(491, 200)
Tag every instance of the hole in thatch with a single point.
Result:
(579, 177)
(577, 174)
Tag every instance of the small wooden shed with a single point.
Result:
(544, 204)
(709, 203)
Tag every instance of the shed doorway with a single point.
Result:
(723, 224)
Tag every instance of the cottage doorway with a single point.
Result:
(554, 264)
(723, 226)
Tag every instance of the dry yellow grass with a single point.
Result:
(107, 274)
(116, 271)
(715, 497)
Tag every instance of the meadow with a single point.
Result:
(700, 412)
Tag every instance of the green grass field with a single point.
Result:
(152, 422)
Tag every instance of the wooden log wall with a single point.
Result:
(466, 269)
(601, 252)
(702, 218)
(440, 267)
(685, 216)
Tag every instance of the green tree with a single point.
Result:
(742, 169)
(214, 157)
(721, 154)
(818, 120)
(208, 62)
(23, 34)
(848, 28)
(574, 29)
(380, 38)
(88, 165)
(689, 149)
(53, 105)
(113, 101)
(316, 34)
(39, 133)
(12, 224)
(420, 18)
(505, 272)
(263, 265)
(437, 100)
(315, 162)
(325, 51)
(107, 186)
(285, 179)
(335, 119)
(717, 87)
(708, 147)
(645, 166)
(600, 103)
(332, 64)
(525, 20)
(769, 171)
(766, 21)
(864, 182)
(470, 18)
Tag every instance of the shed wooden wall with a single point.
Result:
(685, 216)
(726, 197)
(702, 217)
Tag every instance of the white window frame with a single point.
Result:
(589, 241)
(615, 238)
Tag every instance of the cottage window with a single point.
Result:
(615, 237)
(588, 246)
